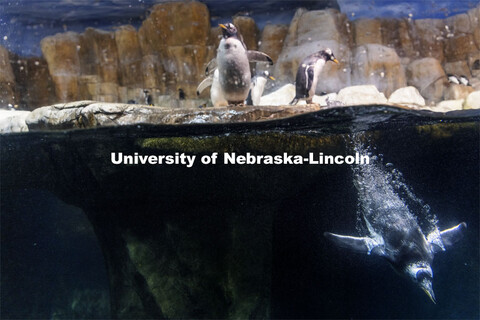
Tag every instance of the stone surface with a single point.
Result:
(367, 31)
(13, 121)
(408, 96)
(447, 105)
(396, 33)
(129, 56)
(428, 77)
(61, 53)
(89, 114)
(457, 91)
(272, 39)
(472, 101)
(7, 79)
(360, 95)
(457, 68)
(378, 65)
(282, 96)
(429, 38)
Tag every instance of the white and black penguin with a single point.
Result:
(464, 80)
(453, 79)
(233, 65)
(148, 98)
(402, 243)
(257, 87)
(308, 74)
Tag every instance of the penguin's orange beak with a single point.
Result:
(335, 60)
(271, 78)
(222, 26)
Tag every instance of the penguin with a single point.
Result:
(181, 94)
(402, 243)
(148, 98)
(233, 65)
(308, 74)
(257, 87)
(453, 79)
(464, 80)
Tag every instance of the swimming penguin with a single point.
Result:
(308, 73)
(233, 66)
(257, 87)
(402, 243)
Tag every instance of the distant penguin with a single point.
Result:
(233, 65)
(464, 80)
(402, 243)
(308, 74)
(181, 94)
(453, 79)
(257, 88)
(148, 98)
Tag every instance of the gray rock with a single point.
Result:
(407, 96)
(361, 95)
(13, 121)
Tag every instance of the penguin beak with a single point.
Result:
(271, 78)
(426, 286)
(335, 60)
(222, 26)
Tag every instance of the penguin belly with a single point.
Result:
(216, 92)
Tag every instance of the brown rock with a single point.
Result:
(61, 53)
(249, 31)
(7, 79)
(429, 36)
(129, 56)
(474, 63)
(459, 23)
(272, 38)
(428, 77)
(457, 91)
(457, 68)
(105, 49)
(396, 34)
(153, 74)
(459, 47)
(367, 31)
(378, 65)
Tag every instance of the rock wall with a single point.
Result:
(166, 54)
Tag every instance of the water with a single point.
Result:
(235, 240)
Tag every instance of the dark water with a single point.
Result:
(52, 265)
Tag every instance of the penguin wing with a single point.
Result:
(304, 81)
(257, 56)
(207, 82)
(357, 244)
(211, 66)
(448, 237)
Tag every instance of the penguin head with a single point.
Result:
(421, 273)
(228, 30)
(328, 55)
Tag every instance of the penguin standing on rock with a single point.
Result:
(308, 74)
(257, 87)
(148, 98)
(233, 67)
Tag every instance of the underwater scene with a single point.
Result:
(240, 159)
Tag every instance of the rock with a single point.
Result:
(459, 47)
(459, 23)
(129, 56)
(378, 65)
(91, 114)
(176, 36)
(326, 100)
(361, 95)
(249, 31)
(367, 31)
(282, 96)
(447, 105)
(61, 53)
(472, 101)
(272, 38)
(429, 38)
(7, 79)
(105, 49)
(457, 91)
(428, 76)
(407, 96)
(474, 64)
(457, 68)
(396, 34)
(154, 76)
(13, 121)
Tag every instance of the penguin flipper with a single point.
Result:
(211, 66)
(257, 56)
(358, 244)
(207, 82)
